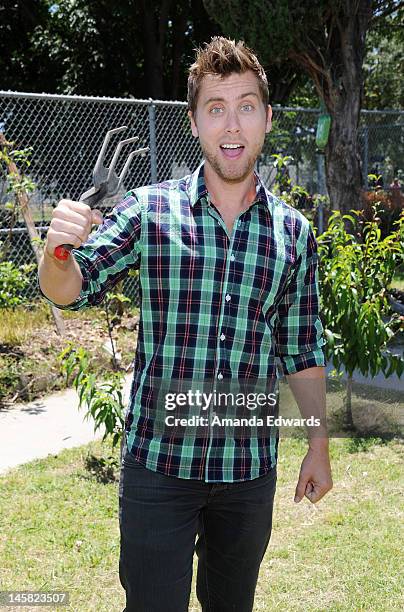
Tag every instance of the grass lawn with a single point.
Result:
(59, 531)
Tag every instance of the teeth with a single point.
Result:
(231, 146)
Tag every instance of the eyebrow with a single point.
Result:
(240, 97)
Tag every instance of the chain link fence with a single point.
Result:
(66, 134)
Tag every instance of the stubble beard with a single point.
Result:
(236, 174)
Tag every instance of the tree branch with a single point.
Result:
(316, 72)
(389, 9)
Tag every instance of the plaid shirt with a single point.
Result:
(214, 306)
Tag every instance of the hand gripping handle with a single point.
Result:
(62, 251)
(106, 181)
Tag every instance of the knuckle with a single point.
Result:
(63, 202)
(54, 224)
(85, 209)
(79, 209)
(58, 212)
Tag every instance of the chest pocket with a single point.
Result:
(262, 269)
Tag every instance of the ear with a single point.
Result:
(194, 129)
(269, 119)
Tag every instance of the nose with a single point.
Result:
(232, 123)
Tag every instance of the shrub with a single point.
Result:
(355, 270)
(13, 281)
(103, 399)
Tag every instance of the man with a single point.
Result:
(228, 276)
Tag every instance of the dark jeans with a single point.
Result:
(160, 517)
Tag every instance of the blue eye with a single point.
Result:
(247, 107)
(216, 110)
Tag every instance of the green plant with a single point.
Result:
(16, 184)
(282, 178)
(20, 186)
(9, 375)
(356, 444)
(21, 157)
(103, 400)
(116, 302)
(13, 281)
(355, 270)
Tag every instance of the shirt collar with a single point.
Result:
(196, 188)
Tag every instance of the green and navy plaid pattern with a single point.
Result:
(214, 306)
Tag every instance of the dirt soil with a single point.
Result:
(31, 370)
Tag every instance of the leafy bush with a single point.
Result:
(13, 281)
(103, 400)
(355, 270)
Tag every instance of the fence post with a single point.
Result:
(153, 142)
(365, 156)
(320, 217)
(321, 189)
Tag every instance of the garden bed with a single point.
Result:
(29, 346)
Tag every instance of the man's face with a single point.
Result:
(231, 122)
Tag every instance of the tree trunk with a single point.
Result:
(336, 70)
(343, 160)
(348, 419)
(284, 79)
(179, 27)
(155, 29)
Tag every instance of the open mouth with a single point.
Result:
(232, 151)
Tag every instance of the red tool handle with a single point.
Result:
(62, 252)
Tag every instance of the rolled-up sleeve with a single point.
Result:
(109, 253)
(299, 331)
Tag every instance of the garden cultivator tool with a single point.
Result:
(106, 181)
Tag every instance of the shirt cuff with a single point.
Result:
(296, 363)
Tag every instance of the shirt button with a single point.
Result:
(220, 376)
(228, 298)
(222, 337)
(232, 258)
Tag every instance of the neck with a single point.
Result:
(228, 195)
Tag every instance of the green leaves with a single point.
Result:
(13, 280)
(17, 183)
(118, 297)
(354, 272)
(103, 400)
